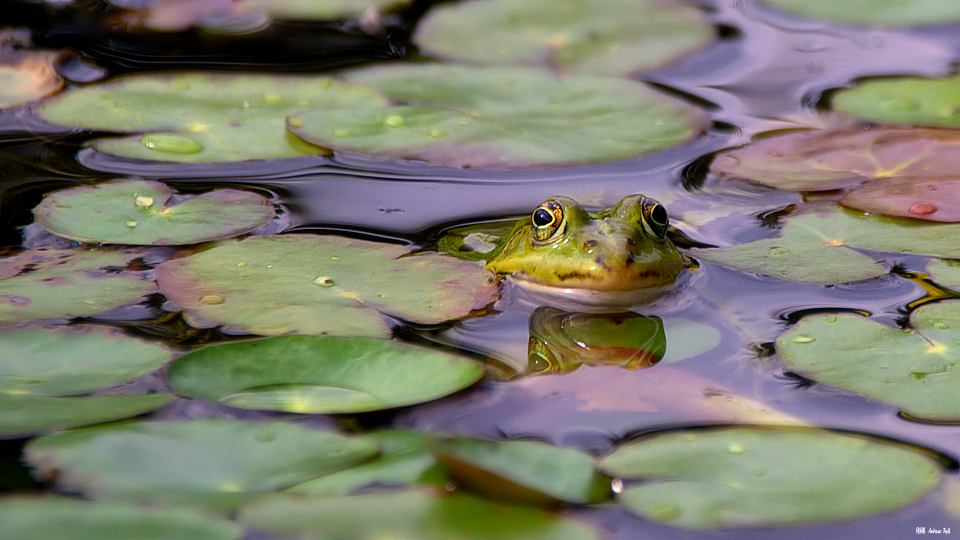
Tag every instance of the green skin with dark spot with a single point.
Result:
(605, 251)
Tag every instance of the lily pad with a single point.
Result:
(933, 199)
(27, 414)
(321, 285)
(905, 100)
(743, 477)
(320, 375)
(202, 117)
(27, 76)
(215, 462)
(592, 36)
(419, 515)
(817, 160)
(73, 360)
(139, 212)
(462, 116)
(914, 369)
(403, 460)
(945, 272)
(887, 13)
(524, 471)
(814, 246)
(46, 283)
(74, 519)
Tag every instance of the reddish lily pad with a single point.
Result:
(933, 199)
(139, 212)
(321, 285)
(44, 283)
(829, 159)
(462, 116)
(592, 36)
(27, 76)
(202, 117)
(888, 13)
(904, 100)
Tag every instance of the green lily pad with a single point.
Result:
(524, 471)
(403, 460)
(320, 374)
(202, 117)
(505, 117)
(905, 100)
(73, 360)
(321, 285)
(743, 477)
(592, 36)
(887, 13)
(27, 414)
(933, 199)
(945, 272)
(817, 160)
(814, 246)
(64, 519)
(215, 462)
(47, 283)
(913, 369)
(413, 515)
(137, 212)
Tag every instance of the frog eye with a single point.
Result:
(547, 221)
(654, 218)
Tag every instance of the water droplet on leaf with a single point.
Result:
(173, 144)
(295, 122)
(803, 339)
(211, 299)
(736, 449)
(323, 281)
(143, 201)
(131, 223)
(394, 120)
(922, 208)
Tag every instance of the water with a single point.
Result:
(765, 71)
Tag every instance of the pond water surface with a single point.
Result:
(765, 68)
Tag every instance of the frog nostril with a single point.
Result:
(631, 242)
(587, 244)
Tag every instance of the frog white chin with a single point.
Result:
(592, 300)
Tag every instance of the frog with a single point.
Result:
(619, 255)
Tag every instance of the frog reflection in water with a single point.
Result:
(617, 256)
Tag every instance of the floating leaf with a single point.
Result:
(905, 100)
(202, 117)
(592, 36)
(27, 76)
(914, 369)
(933, 199)
(888, 13)
(743, 477)
(321, 285)
(814, 246)
(215, 462)
(829, 159)
(502, 117)
(403, 460)
(63, 519)
(73, 360)
(411, 515)
(137, 212)
(945, 272)
(46, 283)
(27, 414)
(524, 471)
(319, 374)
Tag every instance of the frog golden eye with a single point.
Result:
(654, 218)
(547, 221)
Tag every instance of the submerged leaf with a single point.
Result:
(321, 285)
(45, 283)
(63, 518)
(748, 477)
(137, 212)
(887, 13)
(817, 160)
(914, 369)
(593, 36)
(905, 100)
(202, 117)
(73, 360)
(419, 515)
(501, 117)
(321, 375)
(214, 462)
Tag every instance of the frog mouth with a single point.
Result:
(579, 296)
